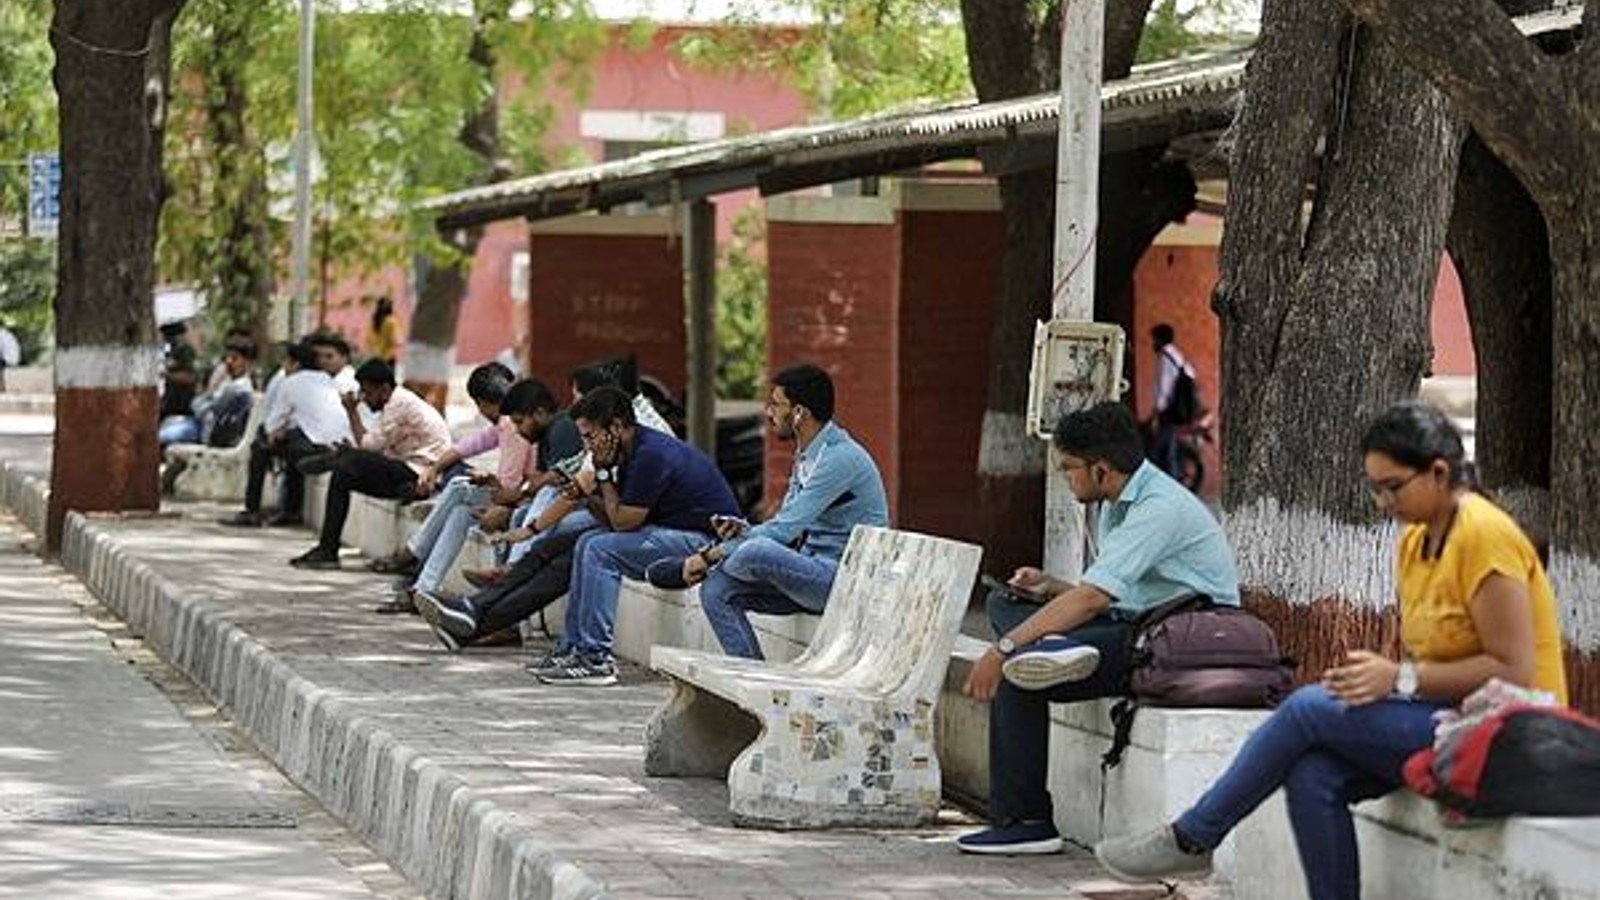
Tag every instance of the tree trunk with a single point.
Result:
(430, 347)
(1014, 50)
(1501, 249)
(110, 74)
(241, 277)
(1325, 320)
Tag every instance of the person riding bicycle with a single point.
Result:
(1177, 398)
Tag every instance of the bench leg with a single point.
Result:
(696, 734)
(827, 766)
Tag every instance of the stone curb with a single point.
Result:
(446, 837)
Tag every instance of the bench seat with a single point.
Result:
(844, 734)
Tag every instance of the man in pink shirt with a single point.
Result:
(486, 496)
(408, 438)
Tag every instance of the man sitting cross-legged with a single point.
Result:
(409, 437)
(787, 564)
(654, 496)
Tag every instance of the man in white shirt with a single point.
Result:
(1175, 399)
(306, 417)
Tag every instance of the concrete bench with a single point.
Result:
(844, 734)
(216, 473)
(648, 615)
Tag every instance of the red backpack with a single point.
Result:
(1520, 760)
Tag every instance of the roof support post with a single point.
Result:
(1077, 220)
(700, 269)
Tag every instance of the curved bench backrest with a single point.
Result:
(894, 612)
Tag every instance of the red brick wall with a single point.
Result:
(832, 302)
(950, 283)
(593, 296)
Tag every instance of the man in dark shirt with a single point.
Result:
(654, 497)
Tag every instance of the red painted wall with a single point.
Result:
(950, 283)
(831, 302)
(596, 296)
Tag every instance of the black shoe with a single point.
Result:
(316, 558)
(666, 573)
(448, 614)
(317, 463)
(285, 520)
(243, 519)
(402, 563)
(400, 605)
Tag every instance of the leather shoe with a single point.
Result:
(243, 519)
(316, 558)
(400, 604)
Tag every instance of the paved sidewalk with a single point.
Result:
(108, 790)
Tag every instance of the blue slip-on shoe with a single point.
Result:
(1050, 661)
(1014, 839)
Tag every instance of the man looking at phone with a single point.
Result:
(654, 497)
(786, 565)
(1062, 642)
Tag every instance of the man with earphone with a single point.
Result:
(786, 565)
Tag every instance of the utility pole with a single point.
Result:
(1077, 220)
(301, 288)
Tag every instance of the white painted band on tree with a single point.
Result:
(430, 364)
(1576, 583)
(1307, 555)
(101, 366)
(1006, 449)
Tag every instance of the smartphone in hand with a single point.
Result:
(1023, 594)
(728, 526)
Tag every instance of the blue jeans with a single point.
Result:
(1325, 756)
(1019, 720)
(579, 520)
(762, 575)
(444, 532)
(602, 559)
(178, 430)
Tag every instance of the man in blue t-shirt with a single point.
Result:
(654, 497)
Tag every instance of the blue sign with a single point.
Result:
(44, 194)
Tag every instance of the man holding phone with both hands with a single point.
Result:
(786, 565)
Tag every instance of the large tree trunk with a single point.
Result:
(1502, 252)
(111, 80)
(1325, 319)
(430, 347)
(241, 275)
(1013, 51)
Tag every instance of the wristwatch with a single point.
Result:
(605, 474)
(1405, 681)
(1005, 645)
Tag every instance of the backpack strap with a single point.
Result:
(1121, 737)
(1123, 712)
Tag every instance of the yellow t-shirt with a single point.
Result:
(1435, 594)
(385, 341)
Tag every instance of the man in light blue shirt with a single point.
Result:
(1062, 642)
(787, 564)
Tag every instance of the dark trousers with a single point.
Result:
(543, 574)
(294, 446)
(362, 472)
(1019, 720)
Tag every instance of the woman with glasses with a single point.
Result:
(1474, 604)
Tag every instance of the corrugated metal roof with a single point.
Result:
(960, 125)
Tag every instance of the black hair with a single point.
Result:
(329, 339)
(1105, 432)
(809, 386)
(592, 376)
(381, 311)
(174, 329)
(1162, 334)
(529, 395)
(605, 406)
(489, 382)
(302, 354)
(242, 346)
(375, 371)
(1415, 434)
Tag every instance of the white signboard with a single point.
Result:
(44, 194)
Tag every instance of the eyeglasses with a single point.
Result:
(1392, 487)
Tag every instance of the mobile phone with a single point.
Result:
(718, 521)
(995, 584)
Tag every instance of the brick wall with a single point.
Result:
(606, 292)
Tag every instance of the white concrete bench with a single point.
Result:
(844, 734)
(648, 615)
(1405, 853)
(216, 473)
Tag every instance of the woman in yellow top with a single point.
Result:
(1474, 604)
(383, 342)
